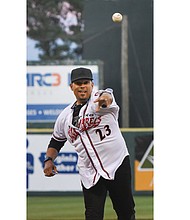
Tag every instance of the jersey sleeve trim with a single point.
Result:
(59, 139)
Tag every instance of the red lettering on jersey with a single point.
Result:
(97, 121)
(89, 122)
(73, 134)
(84, 124)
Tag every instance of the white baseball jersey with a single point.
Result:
(97, 139)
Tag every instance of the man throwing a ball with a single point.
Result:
(90, 124)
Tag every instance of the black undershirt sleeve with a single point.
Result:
(56, 144)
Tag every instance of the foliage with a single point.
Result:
(52, 40)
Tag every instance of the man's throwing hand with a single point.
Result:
(104, 101)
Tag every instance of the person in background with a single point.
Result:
(66, 18)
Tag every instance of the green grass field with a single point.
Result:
(72, 208)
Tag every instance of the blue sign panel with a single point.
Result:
(66, 163)
(44, 112)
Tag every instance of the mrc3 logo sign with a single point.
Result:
(52, 76)
(48, 90)
(46, 79)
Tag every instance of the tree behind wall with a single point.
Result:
(52, 41)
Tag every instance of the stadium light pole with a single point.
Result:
(124, 72)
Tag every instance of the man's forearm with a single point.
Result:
(51, 152)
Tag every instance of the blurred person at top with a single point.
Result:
(67, 17)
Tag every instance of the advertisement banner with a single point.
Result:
(141, 148)
(140, 143)
(67, 178)
(144, 163)
(48, 90)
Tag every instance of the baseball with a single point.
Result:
(117, 17)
